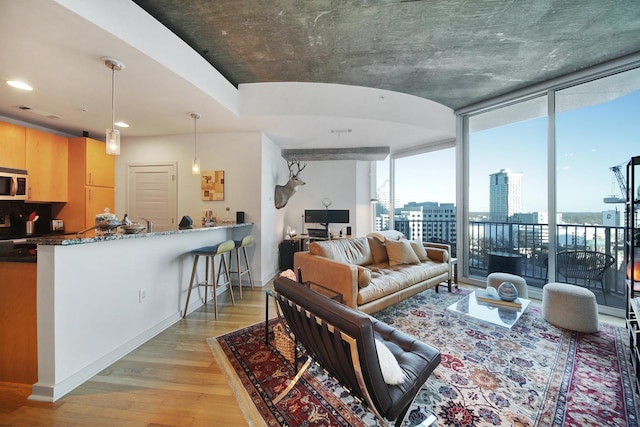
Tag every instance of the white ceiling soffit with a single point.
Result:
(346, 116)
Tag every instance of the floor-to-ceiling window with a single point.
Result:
(507, 191)
(597, 131)
(425, 195)
(540, 185)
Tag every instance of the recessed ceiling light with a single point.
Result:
(19, 85)
(121, 124)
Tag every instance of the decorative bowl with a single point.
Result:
(133, 228)
(108, 224)
(507, 291)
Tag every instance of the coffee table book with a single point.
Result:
(484, 296)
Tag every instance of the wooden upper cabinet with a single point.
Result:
(100, 166)
(48, 164)
(12, 146)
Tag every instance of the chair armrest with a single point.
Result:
(337, 276)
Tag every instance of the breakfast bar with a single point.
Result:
(98, 298)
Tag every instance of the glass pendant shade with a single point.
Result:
(113, 142)
(195, 166)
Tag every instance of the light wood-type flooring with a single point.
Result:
(172, 380)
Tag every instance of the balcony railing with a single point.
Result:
(531, 243)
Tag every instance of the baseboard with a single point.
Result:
(44, 392)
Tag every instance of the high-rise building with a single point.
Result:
(505, 195)
(425, 221)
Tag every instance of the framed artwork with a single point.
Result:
(212, 185)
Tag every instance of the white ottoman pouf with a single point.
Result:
(570, 307)
(496, 279)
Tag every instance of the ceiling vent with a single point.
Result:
(38, 112)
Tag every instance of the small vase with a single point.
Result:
(507, 291)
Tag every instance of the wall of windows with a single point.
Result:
(559, 149)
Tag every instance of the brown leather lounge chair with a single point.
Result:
(342, 341)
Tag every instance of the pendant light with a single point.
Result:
(113, 135)
(195, 165)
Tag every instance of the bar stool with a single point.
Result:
(242, 245)
(210, 253)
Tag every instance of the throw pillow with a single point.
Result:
(391, 370)
(364, 277)
(378, 250)
(401, 252)
(420, 251)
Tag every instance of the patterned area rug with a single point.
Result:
(531, 375)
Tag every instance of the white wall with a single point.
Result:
(344, 182)
(253, 165)
(239, 155)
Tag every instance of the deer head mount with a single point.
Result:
(284, 192)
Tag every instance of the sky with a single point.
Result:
(589, 141)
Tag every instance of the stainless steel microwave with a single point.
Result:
(13, 184)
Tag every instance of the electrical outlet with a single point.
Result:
(142, 295)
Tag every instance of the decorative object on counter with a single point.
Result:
(507, 291)
(226, 219)
(113, 135)
(106, 222)
(185, 223)
(212, 185)
(208, 220)
(195, 165)
(126, 220)
(240, 217)
(57, 225)
(133, 228)
(284, 192)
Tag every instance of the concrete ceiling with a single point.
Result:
(454, 52)
(278, 67)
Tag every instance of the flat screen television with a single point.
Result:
(326, 216)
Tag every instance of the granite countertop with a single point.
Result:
(75, 240)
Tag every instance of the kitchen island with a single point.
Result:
(98, 298)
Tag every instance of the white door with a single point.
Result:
(152, 193)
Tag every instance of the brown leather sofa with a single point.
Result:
(342, 341)
(370, 272)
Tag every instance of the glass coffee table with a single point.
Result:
(497, 314)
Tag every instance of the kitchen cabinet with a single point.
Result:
(12, 146)
(91, 184)
(18, 326)
(47, 162)
(99, 166)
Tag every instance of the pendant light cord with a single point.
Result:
(113, 97)
(195, 135)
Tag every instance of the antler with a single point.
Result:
(292, 163)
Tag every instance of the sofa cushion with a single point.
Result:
(420, 251)
(350, 251)
(387, 279)
(387, 235)
(378, 250)
(364, 277)
(401, 252)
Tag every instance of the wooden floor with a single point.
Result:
(172, 380)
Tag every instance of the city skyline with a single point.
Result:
(590, 140)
